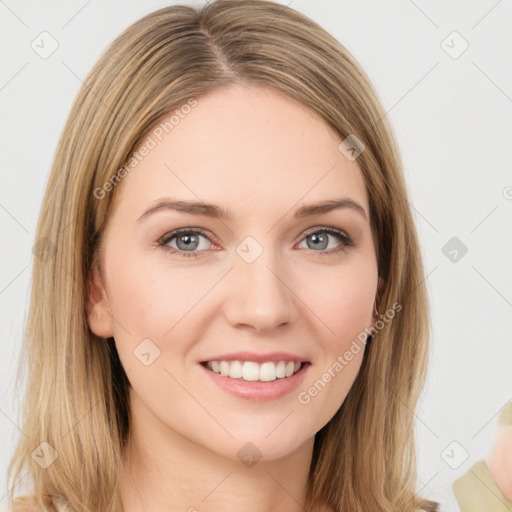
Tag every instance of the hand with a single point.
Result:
(499, 460)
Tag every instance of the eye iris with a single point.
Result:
(187, 239)
(321, 241)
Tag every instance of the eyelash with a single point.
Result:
(346, 241)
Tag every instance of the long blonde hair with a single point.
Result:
(77, 391)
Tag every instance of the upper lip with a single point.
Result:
(257, 358)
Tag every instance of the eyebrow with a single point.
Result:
(216, 212)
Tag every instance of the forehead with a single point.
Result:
(249, 148)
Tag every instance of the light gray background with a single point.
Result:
(452, 117)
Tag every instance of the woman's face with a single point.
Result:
(259, 285)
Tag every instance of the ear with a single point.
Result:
(99, 315)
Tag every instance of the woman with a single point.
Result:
(232, 312)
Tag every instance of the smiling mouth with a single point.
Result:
(251, 371)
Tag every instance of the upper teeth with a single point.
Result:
(249, 370)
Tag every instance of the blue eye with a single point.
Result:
(320, 240)
(188, 241)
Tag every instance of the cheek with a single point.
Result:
(342, 301)
(147, 294)
(155, 309)
(341, 307)
(161, 303)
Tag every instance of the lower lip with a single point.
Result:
(258, 390)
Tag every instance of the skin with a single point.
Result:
(262, 156)
(499, 460)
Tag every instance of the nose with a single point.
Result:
(260, 294)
